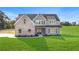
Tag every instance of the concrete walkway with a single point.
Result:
(13, 36)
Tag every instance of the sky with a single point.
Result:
(70, 14)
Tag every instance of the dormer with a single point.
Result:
(39, 20)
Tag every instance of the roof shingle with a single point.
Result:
(31, 16)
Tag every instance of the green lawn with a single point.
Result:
(68, 41)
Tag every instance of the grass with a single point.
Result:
(68, 41)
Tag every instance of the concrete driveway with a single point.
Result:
(7, 35)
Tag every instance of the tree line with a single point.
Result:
(69, 24)
(5, 21)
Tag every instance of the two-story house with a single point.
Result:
(34, 24)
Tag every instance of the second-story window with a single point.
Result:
(50, 22)
(36, 22)
(43, 22)
(24, 21)
(39, 22)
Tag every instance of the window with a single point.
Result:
(56, 31)
(52, 30)
(44, 22)
(39, 22)
(20, 30)
(29, 30)
(24, 21)
(48, 30)
(50, 22)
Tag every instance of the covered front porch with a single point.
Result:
(40, 30)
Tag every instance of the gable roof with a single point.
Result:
(31, 16)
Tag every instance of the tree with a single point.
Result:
(66, 23)
(11, 23)
(3, 20)
(73, 23)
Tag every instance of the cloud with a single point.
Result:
(69, 14)
(11, 15)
